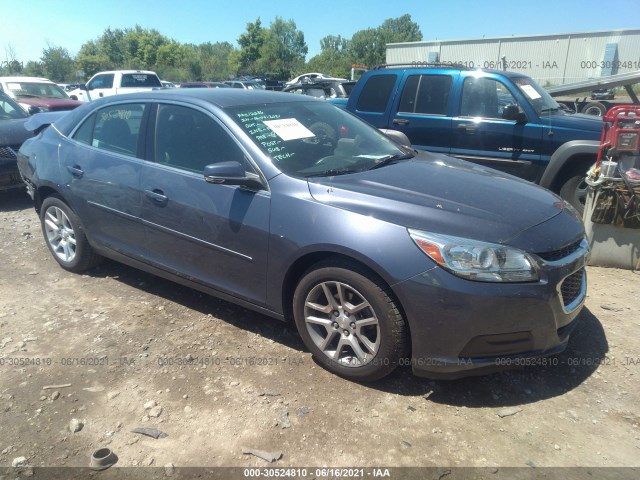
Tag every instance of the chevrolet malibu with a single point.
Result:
(290, 206)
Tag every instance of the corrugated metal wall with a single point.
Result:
(550, 59)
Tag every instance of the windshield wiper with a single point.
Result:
(333, 172)
(381, 162)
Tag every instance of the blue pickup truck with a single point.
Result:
(500, 119)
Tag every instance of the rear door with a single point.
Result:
(101, 164)
(216, 235)
(481, 135)
(372, 101)
(421, 109)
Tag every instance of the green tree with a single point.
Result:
(370, 46)
(333, 58)
(57, 64)
(283, 50)
(251, 42)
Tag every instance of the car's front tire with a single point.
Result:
(64, 236)
(349, 320)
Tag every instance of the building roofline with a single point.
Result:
(518, 37)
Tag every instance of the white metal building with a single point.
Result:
(553, 59)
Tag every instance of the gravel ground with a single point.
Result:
(84, 359)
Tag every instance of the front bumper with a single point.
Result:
(461, 328)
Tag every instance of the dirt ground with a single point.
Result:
(123, 349)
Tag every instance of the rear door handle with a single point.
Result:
(400, 121)
(76, 171)
(157, 196)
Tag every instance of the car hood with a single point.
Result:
(13, 132)
(53, 103)
(445, 195)
(577, 121)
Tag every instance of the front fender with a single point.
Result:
(566, 151)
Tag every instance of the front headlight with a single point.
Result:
(475, 260)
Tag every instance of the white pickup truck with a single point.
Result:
(104, 84)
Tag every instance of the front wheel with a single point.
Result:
(64, 236)
(574, 191)
(350, 322)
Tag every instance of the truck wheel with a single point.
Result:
(594, 108)
(574, 191)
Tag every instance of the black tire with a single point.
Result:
(382, 343)
(594, 108)
(574, 191)
(65, 237)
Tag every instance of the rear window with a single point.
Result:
(140, 80)
(376, 93)
(426, 94)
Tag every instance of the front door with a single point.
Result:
(482, 136)
(216, 235)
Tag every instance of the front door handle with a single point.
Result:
(76, 171)
(469, 127)
(157, 196)
(400, 121)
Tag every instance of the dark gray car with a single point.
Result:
(297, 209)
(12, 134)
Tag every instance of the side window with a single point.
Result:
(101, 81)
(189, 139)
(426, 94)
(484, 97)
(115, 128)
(84, 134)
(375, 94)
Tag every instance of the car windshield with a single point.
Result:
(35, 89)
(541, 101)
(9, 109)
(308, 139)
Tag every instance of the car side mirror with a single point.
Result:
(397, 136)
(231, 173)
(514, 113)
(32, 110)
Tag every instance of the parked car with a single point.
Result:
(603, 94)
(167, 84)
(204, 85)
(12, 134)
(35, 94)
(297, 209)
(322, 88)
(247, 85)
(311, 77)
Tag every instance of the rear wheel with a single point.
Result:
(574, 191)
(349, 321)
(64, 236)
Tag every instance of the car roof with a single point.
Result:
(220, 97)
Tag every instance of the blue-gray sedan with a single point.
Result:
(295, 208)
